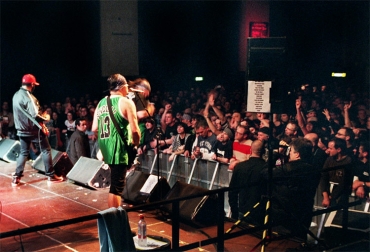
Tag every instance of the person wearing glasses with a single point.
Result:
(241, 146)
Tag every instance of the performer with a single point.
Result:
(139, 91)
(111, 144)
(28, 119)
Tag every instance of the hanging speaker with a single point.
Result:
(9, 150)
(90, 172)
(61, 163)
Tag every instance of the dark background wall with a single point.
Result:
(58, 41)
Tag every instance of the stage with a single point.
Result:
(37, 201)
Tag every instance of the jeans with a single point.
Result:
(25, 150)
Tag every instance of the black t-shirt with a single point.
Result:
(170, 131)
(362, 171)
(224, 150)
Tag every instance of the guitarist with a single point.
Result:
(28, 119)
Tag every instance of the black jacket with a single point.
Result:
(26, 113)
(251, 186)
(294, 190)
(78, 146)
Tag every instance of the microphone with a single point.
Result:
(136, 90)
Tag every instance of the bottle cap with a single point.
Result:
(141, 216)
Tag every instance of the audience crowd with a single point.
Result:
(215, 124)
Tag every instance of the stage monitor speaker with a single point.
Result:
(61, 163)
(9, 150)
(143, 188)
(200, 211)
(90, 172)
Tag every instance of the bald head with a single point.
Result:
(257, 147)
(313, 138)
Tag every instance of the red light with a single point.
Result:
(258, 29)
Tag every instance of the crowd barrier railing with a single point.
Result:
(207, 174)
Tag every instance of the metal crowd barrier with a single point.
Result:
(203, 173)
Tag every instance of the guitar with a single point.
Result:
(44, 129)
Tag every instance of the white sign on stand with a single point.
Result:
(259, 96)
(149, 184)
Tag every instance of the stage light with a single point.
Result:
(341, 75)
(199, 78)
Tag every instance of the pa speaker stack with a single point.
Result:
(9, 150)
(61, 163)
(200, 211)
(90, 172)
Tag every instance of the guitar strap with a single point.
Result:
(31, 118)
(109, 102)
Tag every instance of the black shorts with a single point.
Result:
(118, 178)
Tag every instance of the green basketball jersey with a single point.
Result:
(110, 142)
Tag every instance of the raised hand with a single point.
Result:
(298, 103)
(347, 106)
(211, 99)
(326, 113)
(167, 107)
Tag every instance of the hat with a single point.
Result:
(265, 130)
(29, 79)
(229, 132)
(186, 117)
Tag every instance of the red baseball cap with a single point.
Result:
(29, 78)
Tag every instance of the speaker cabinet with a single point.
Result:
(61, 163)
(90, 172)
(142, 188)
(266, 59)
(200, 211)
(9, 150)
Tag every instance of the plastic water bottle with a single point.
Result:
(141, 235)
